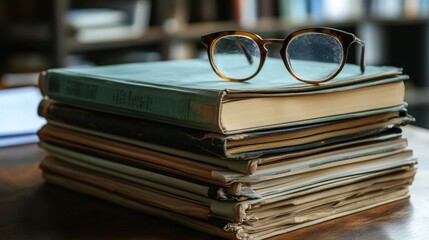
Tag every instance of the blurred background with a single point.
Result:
(37, 35)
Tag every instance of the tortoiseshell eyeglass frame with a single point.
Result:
(346, 39)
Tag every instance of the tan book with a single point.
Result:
(240, 146)
(125, 150)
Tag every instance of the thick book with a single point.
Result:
(220, 228)
(237, 220)
(189, 94)
(250, 211)
(240, 146)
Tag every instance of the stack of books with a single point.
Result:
(238, 160)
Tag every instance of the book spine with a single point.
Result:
(194, 109)
(143, 130)
(41, 82)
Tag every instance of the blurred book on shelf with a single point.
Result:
(95, 18)
(128, 21)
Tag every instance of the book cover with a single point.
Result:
(188, 93)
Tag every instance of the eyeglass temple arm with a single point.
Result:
(246, 52)
(362, 54)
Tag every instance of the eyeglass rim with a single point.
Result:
(346, 39)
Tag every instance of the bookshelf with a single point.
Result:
(41, 35)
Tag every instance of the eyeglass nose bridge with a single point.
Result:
(268, 41)
(276, 41)
(283, 44)
(272, 41)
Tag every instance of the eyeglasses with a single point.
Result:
(239, 55)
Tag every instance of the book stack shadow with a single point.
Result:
(244, 161)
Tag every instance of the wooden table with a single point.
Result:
(33, 209)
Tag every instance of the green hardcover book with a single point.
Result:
(188, 93)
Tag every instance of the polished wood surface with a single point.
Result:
(33, 209)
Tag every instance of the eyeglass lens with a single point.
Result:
(322, 54)
(238, 57)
